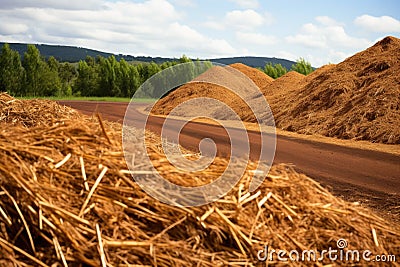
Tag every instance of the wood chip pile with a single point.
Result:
(358, 98)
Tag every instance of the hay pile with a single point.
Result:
(66, 198)
(356, 99)
(30, 112)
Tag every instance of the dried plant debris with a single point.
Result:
(356, 99)
(33, 112)
(67, 199)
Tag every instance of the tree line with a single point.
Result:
(36, 76)
(277, 70)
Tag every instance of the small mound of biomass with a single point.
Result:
(257, 76)
(220, 83)
(288, 82)
(33, 112)
(239, 92)
(66, 198)
(356, 99)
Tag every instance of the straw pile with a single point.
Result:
(66, 199)
(30, 112)
(356, 99)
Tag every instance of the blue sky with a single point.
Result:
(320, 31)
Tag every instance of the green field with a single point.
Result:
(82, 98)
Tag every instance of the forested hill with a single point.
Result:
(75, 54)
(255, 61)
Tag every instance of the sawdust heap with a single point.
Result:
(318, 72)
(257, 76)
(50, 216)
(288, 82)
(211, 84)
(356, 99)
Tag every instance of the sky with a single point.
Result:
(321, 31)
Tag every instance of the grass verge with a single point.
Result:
(91, 98)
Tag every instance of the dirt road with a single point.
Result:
(367, 176)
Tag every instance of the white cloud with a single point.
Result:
(327, 21)
(247, 19)
(326, 33)
(249, 38)
(214, 25)
(287, 55)
(8, 28)
(240, 20)
(247, 3)
(307, 40)
(52, 4)
(329, 56)
(184, 3)
(383, 24)
(152, 27)
(269, 19)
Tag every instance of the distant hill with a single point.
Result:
(255, 61)
(74, 54)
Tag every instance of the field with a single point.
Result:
(67, 197)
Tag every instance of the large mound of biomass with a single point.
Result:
(356, 99)
(67, 199)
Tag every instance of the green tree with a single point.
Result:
(31, 64)
(68, 74)
(128, 78)
(41, 78)
(274, 71)
(49, 82)
(108, 73)
(148, 70)
(11, 71)
(86, 82)
(90, 61)
(54, 65)
(134, 79)
(270, 70)
(184, 59)
(280, 70)
(302, 66)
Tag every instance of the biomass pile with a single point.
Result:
(318, 72)
(356, 99)
(66, 198)
(257, 76)
(288, 82)
(220, 83)
(32, 112)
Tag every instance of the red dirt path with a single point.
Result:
(369, 177)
